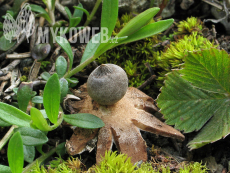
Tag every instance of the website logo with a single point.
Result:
(24, 24)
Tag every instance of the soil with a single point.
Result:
(160, 149)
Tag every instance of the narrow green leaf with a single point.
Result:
(109, 15)
(29, 153)
(37, 99)
(38, 120)
(138, 22)
(64, 88)
(82, 9)
(91, 47)
(24, 95)
(68, 12)
(32, 136)
(15, 153)
(51, 98)
(208, 70)
(67, 48)
(112, 42)
(148, 30)
(12, 115)
(4, 123)
(74, 22)
(42, 12)
(78, 12)
(84, 120)
(53, 4)
(61, 66)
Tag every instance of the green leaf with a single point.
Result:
(15, 153)
(148, 30)
(12, 115)
(32, 136)
(72, 82)
(91, 47)
(45, 76)
(138, 22)
(51, 98)
(42, 12)
(61, 66)
(29, 153)
(24, 95)
(82, 9)
(37, 99)
(4, 123)
(84, 120)
(68, 12)
(67, 48)
(190, 108)
(78, 12)
(38, 120)
(5, 169)
(208, 70)
(185, 106)
(61, 149)
(109, 15)
(6, 44)
(64, 87)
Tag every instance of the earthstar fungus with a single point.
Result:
(123, 122)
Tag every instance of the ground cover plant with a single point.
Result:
(39, 110)
(29, 130)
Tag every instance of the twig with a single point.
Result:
(9, 68)
(34, 70)
(147, 82)
(13, 86)
(38, 82)
(21, 39)
(3, 84)
(7, 136)
(6, 77)
(61, 9)
(8, 97)
(15, 80)
(18, 56)
(221, 19)
(149, 68)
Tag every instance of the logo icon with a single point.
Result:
(24, 24)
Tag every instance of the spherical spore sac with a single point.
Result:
(107, 84)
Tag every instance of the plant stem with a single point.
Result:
(79, 67)
(93, 12)
(42, 158)
(7, 136)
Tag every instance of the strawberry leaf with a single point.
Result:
(200, 98)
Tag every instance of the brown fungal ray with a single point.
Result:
(80, 138)
(123, 122)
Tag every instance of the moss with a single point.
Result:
(23, 78)
(72, 165)
(113, 162)
(44, 64)
(174, 55)
(192, 24)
